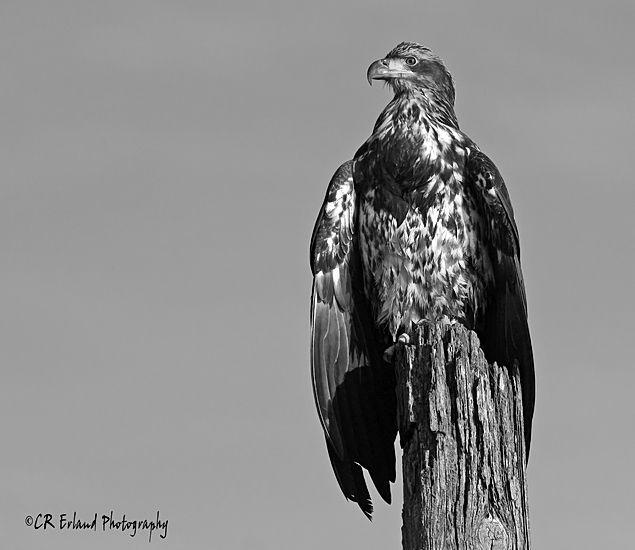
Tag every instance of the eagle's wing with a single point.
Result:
(353, 385)
(505, 333)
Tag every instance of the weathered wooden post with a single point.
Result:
(461, 430)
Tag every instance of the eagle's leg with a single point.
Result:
(402, 340)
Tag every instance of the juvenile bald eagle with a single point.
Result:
(418, 227)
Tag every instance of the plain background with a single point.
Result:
(162, 166)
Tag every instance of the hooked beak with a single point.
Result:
(386, 69)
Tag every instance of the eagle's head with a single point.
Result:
(410, 66)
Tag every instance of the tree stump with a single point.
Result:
(461, 431)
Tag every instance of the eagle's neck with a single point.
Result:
(415, 137)
(415, 121)
(414, 107)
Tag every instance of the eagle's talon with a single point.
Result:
(403, 340)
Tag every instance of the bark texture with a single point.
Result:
(461, 430)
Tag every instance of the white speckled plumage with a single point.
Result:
(430, 265)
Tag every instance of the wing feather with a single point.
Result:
(353, 386)
(504, 333)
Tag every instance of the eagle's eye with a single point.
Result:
(411, 60)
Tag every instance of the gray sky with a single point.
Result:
(163, 163)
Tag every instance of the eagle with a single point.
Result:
(417, 228)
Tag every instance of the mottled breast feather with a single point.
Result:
(421, 231)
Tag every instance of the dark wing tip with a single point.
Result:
(350, 478)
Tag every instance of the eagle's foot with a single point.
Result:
(443, 321)
(403, 340)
